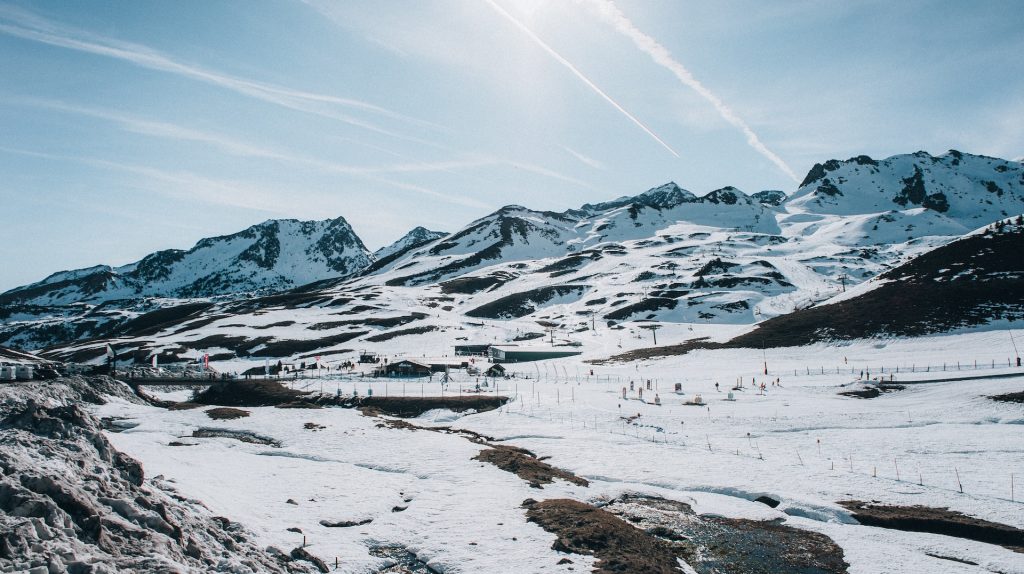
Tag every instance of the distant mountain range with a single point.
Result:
(273, 255)
(663, 255)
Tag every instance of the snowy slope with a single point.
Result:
(969, 189)
(802, 444)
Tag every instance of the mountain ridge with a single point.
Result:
(275, 254)
(662, 255)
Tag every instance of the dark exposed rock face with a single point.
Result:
(70, 502)
(828, 188)
(817, 172)
(773, 197)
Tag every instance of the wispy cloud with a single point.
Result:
(28, 26)
(576, 72)
(585, 159)
(234, 146)
(661, 56)
(186, 185)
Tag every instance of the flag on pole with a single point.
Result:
(154, 361)
(110, 352)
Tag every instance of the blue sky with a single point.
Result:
(128, 127)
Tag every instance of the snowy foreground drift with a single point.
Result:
(371, 494)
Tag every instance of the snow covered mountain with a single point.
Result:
(274, 255)
(418, 236)
(515, 233)
(947, 185)
(665, 255)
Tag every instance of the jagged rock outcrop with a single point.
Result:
(70, 502)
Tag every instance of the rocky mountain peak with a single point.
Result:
(275, 254)
(414, 238)
(664, 196)
(969, 189)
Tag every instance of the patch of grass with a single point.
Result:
(526, 465)
(226, 413)
(1009, 397)
(416, 406)
(243, 393)
(618, 546)
(936, 521)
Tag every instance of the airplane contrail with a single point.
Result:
(558, 57)
(21, 24)
(661, 56)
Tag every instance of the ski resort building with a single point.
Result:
(472, 350)
(407, 368)
(514, 354)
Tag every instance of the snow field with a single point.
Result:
(353, 470)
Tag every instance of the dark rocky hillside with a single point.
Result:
(967, 283)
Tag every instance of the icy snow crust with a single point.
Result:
(461, 515)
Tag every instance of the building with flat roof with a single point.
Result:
(472, 350)
(516, 354)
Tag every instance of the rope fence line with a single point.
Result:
(578, 413)
(828, 461)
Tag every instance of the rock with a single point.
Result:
(767, 500)
(301, 554)
(70, 502)
(345, 523)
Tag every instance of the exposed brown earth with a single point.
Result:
(618, 546)
(226, 413)
(416, 406)
(526, 465)
(936, 521)
(519, 461)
